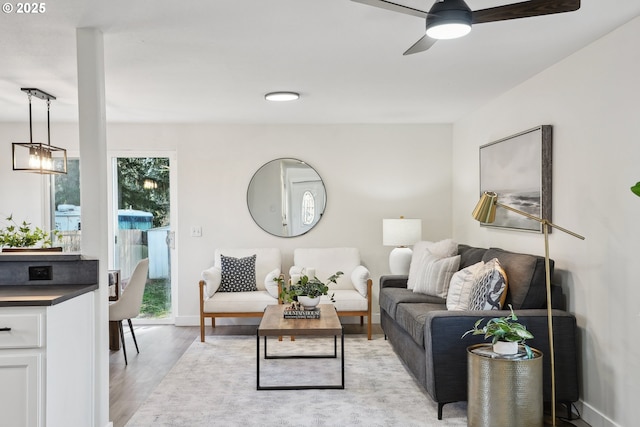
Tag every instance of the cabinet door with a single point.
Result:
(20, 376)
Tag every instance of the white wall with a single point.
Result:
(370, 172)
(591, 99)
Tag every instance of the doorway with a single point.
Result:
(141, 227)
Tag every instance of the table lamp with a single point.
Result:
(401, 233)
(485, 211)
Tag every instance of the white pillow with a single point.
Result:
(461, 286)
(212, 277)
(359, 278)
(442, 249)
(270, 284)
(435, 275)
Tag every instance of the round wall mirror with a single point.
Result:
(286, 197)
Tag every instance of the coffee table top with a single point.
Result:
(273, 322)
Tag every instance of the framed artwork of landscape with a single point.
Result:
(518, 169)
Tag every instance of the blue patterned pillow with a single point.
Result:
(238, 274)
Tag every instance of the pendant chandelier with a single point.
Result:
(35, 156)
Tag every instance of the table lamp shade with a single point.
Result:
(401, 233)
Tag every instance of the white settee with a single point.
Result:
(216, 302)
(352, 292)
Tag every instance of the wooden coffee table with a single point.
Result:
(274, 324)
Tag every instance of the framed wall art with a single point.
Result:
(518, 169)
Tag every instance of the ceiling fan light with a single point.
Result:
(446, 31)
(449, 19)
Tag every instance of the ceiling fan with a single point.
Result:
(449, 19)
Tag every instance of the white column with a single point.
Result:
(93, 176)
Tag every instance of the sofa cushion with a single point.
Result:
(435, 274)
(470, 255)
(238, 302)
(391, 297)
(412, 317)
(489, 287)
(461, 287)
(326, 262)
(212, 277)
(442, 249)
(526, 273)
(238, 274)
(270, 282)
(346, 300)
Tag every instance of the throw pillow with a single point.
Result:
(238, 274)
(461, 286)
(270, 284)
(442, 249)
(211, 277)
(489, 287)
(436, 275)
(359, 277)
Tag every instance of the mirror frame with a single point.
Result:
(274, 215)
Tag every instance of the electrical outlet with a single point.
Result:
(44, 272)
(196, 231)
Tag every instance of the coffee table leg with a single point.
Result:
(257, 361)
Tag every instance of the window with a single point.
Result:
(65, 195)
(308, 208)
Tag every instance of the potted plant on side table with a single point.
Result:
(23, 237)
(504, 390)
(506, 334)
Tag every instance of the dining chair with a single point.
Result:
(129, 303)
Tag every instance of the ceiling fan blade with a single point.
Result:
(421, 45)
(394, 7)
(525, 9)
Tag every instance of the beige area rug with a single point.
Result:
(214, 384)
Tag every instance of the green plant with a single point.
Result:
(15, 235)
(311, 287)
(503, 329)
(636, 189)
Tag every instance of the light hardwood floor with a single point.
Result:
(160, 348)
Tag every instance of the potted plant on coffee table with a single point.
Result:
(15, 237)
(505, 333)
(306, 290)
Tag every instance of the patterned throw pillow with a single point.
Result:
(238, 274)
(489, 287)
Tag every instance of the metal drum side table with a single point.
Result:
(503, 391)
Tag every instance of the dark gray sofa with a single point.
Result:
(427, 337)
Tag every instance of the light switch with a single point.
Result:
(196, 231)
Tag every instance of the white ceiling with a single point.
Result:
(213, 60)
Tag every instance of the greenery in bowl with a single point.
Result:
(503, 329)
(14, 235)
(311, 287)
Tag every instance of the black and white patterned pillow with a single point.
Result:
(489, 287)
(238, 274)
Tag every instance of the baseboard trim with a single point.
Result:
(594, 417)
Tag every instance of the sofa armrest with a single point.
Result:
(393, 281)
(446, 352)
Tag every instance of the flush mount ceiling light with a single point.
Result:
(449, 20)
(282, 96)
(35, 156)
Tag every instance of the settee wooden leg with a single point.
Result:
(201, 328)
(440, 405)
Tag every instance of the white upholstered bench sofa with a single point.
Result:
(352, 292)
(240, 284)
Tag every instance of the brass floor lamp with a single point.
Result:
(485, 211)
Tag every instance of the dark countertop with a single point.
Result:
(40, 295)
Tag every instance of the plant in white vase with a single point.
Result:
(505, 334)
(305, 286)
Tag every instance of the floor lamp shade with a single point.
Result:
(400, 232)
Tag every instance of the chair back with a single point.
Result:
(128, 306)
